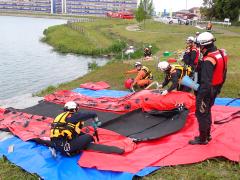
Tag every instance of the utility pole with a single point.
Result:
(186, 4)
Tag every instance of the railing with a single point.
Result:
(216, 22)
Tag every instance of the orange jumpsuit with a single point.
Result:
(142, 79)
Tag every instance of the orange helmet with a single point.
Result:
(128, 83)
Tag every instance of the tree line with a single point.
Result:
(221, 9)
(144, 11)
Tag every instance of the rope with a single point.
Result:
(233, 116)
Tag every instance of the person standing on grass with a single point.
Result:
(191, 55)
(213, 75)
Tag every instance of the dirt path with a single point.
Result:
(133, 27)
(221, 31)
(225, 31)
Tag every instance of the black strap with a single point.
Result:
(105, 149)
(230, 102)
(233, 116)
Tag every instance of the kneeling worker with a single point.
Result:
(144, 75)
(147, 52)
(66, 135)
(173, 73)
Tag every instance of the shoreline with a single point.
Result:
(43, 15)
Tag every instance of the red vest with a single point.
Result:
(197, 55)
(220, 69)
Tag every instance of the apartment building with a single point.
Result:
(74, 7)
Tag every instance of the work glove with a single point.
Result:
(165, 92)
(132, 89)
(96, 122)
(159, 86)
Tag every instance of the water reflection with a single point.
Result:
(28, 65)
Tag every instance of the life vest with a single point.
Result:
(184, 70)
(197, 55)
(61, 128)
(148, 73)
(220, 69)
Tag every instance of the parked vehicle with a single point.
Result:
(184, 21)
(121, 15)
(170, 20)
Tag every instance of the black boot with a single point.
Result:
(198, 141)
(209, 138)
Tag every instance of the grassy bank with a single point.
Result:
(93, 38)
(165, 38)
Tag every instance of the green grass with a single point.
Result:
(9, 171)
(209, 169)
(165, 38)
(235, 29)
(89, 38)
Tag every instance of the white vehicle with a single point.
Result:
(185, 21)
(167, 20)
(175, 20)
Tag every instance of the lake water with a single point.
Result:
(27, 65)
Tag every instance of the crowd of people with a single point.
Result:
(205, 64)
(202, 62)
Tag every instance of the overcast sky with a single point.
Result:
(175, 5)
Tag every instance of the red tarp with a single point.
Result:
(145, 99)
(28, 127)
(170, 150)
(95, 85)
(174, 149)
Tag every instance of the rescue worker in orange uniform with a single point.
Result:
(144, 75)
(209, 26)
(213, 75)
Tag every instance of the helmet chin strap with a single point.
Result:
(203, 49)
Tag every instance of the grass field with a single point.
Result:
(165, 38)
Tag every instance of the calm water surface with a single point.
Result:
(28, 65)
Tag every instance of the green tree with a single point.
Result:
(220, 9)
(140, 13)
(208, 10)
(145, 10)
(148, 7)
(227, 9)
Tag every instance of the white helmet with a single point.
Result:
(138, 63)
(190, 39)
(205, 38)
(70, 105)
(163, 66)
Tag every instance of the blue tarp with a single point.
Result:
(101, 93)
(226, 101)
(35, 158)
